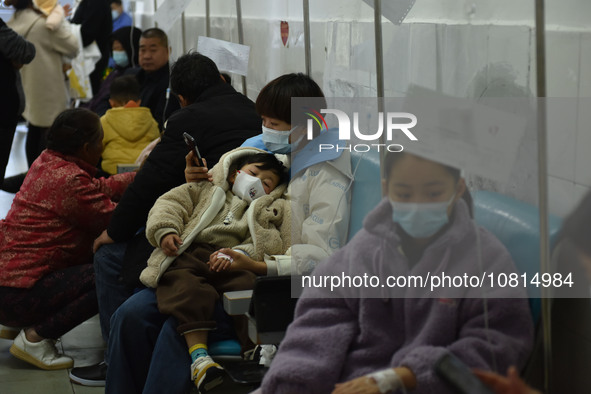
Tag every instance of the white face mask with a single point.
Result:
(421, 220)
(248, 187)
(278, 141)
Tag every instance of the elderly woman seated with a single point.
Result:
(46, 275)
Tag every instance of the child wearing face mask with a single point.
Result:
(193, 224)
(387, 338)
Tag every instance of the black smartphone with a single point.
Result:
(455, 372)
(190, 141)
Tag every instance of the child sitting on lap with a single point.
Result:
(241, 209)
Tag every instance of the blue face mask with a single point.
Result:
(277, 141)
(420, 220)
(114, 14)
(120, 58)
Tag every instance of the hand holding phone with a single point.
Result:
(190, 141)
(455, 372)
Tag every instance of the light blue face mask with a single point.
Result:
(115, 14)
(120, 58)
(277, 141)
(420, 220)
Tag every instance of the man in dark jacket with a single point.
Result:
(220, 119)
(14, 52)
(153, 75)
(94, 18)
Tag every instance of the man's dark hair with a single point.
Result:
(267, 161)
(191, 74)
(118, 2)
(125, 88)
(72, 129)
(274, 100)
(155, 32)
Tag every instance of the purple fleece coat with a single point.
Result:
(337, 339)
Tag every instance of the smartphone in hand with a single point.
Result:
(190, 141)
(455, 372)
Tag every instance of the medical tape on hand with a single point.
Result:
(387, 380)
(221, 255)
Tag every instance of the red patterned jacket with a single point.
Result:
(55, 218)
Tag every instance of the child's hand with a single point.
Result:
(170, 244)
(193, 173)
(219, 261)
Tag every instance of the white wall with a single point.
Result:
(455, 46)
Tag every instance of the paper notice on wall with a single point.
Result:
(228, 56)
(395, 11)
(169, 13)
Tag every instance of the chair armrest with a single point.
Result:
(237, 302)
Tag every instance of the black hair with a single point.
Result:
(274, 100)
(576, 226)
(267, 161)
(393, 157)
(132, 48)
(227, 78)
(20, 4)
(192, 74)
(72, 129)
(119, 2)
(125, 88)
(155, 32)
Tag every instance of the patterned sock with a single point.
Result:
(198, 350)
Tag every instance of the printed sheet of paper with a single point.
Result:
(228, 56)
(170, 12)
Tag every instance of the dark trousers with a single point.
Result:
(7, 129)
(189, 290)
(36, 142)
(57, 303)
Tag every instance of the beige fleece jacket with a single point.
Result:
(192, 210)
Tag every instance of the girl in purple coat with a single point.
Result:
(364, 325)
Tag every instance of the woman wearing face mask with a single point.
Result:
(125, 44)
(376, 339)
(319, 209)
(318, 179)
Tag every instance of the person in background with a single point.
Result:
(15, 51)
(128, 127)
(53, 12)
(94, 16)
(219, 119)
(125, 47)
(154, 74)
(43, 78)
(46, 275)
(120, 17)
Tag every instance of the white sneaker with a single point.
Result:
(42, 354)
(7, 332)
(206, 373)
